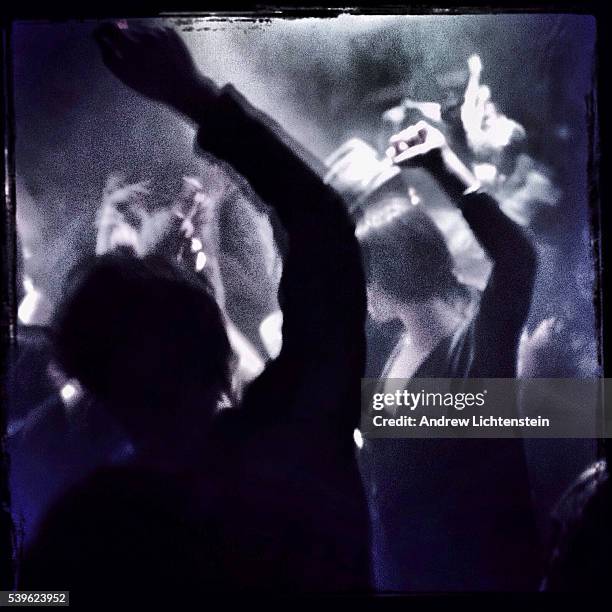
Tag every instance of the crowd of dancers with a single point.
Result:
(210, 380)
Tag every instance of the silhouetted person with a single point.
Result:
(146, 339)
(276, 477)
(450, 514)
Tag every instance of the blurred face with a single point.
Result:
(129, 214)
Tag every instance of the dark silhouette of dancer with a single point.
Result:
(269, 491)
(451, 514)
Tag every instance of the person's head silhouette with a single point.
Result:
(148, 339)
(406, 257)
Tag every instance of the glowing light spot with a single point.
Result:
(415, 200)
(271, 333)
(196, 245)
(68, 392)
(28, 305)
(200, 261)
(250, 364)
(394, 115)
(358, 439)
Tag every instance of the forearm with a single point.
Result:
(505, 242)
(453, 175)
(194, 100)
(504, 306)
(502, 239)
(505, 303)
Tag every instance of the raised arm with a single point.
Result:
(500, 516)
(322, 290)
(505, 302)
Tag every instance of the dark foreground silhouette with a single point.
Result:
(265, 496)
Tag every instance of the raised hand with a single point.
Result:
(156, 63)
(422, 145)
(474, 66)
(418, 145)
